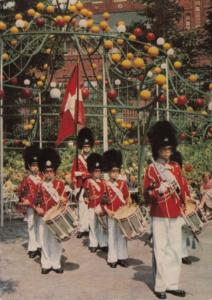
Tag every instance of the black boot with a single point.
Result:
(178, 293)
(186, 261)
(112, 265)
(80, 235)
(58, 271)
(160, 295)
(45, 271)
(104, 249)
(93, 249)
(123, 263)
(32, 254)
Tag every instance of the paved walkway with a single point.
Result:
(87, 277)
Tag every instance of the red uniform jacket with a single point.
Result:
(28, 188)
(118, 194)
(82, 168)
(96, 190)
(50, 194)
(164, 205)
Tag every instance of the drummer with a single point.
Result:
(118, 196)
(79, 172)
(164, 192)
(94, 191)
(51, 192)
(27, 193)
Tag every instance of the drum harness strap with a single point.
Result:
(117, 192)
(48, 186)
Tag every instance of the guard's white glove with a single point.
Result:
(164, 187)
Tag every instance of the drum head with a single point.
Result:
(53, 212)
(125, 212)
(190, 207)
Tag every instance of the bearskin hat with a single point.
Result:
(162, 134)
(111, 159)
(30, 156)
(48, 158)
(85, 137)
(177, 157)
(94, 161)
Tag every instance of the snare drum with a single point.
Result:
(62, 221)
(194, 218)
(131, 221)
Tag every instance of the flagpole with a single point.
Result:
(77, 116)
(1, 137)
(105, 113)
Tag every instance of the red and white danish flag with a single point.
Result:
(72, 109)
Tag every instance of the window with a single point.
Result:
(188, 21)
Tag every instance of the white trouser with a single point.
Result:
(97, 236)
(51, 249)
(33, 223)
(185, 236)
(82, 212)
(167, 246)
(117, 244)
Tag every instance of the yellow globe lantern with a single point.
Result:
(50, 9)
(27, 143)
(40, 83)
(94, 66)
(26, 25)
(25, 126)
(210, 86)
(157, 70)
(31, 12)
(130, 55)
(166, 46)
(131, 141)
(90, 23)
(132, 38)
(32, 121)
(160, 79)
(84, 12)
(79, 5)
(89, 14)
(177, 64)
(139, 62)
(107, 29)
(99, 77)
(106, 15)
(90, 50)
(189, 109)
(113, 111)
(40, 6)
(125, 143)
(43, 78)
(126, 64)
(48, 50)
(13, 42)
(204, 113)
(45, 66)
(18, 17)
(108, 44)
(193, 77)
(120, 42)
(3, 26)
(14, 30)
(145, 94)
(95, 29)
(30, 126)
(103, 25)
(118, 121)
(67, 19)
(72, 8)
(153, 51)
(5, 56)
(116, 57)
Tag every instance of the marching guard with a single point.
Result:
(51, 192)
(117, 196)
(79, 173)
(94, 192)
(27, 193)
(164, 192)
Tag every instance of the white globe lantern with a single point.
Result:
(170, 52)
(27, 82)
(150, 74)
(160, 41)
(121, 28)
(163, 66)
(53, 84)
(82, 23)
(20, 24)
(55, 93)
(117, 82)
